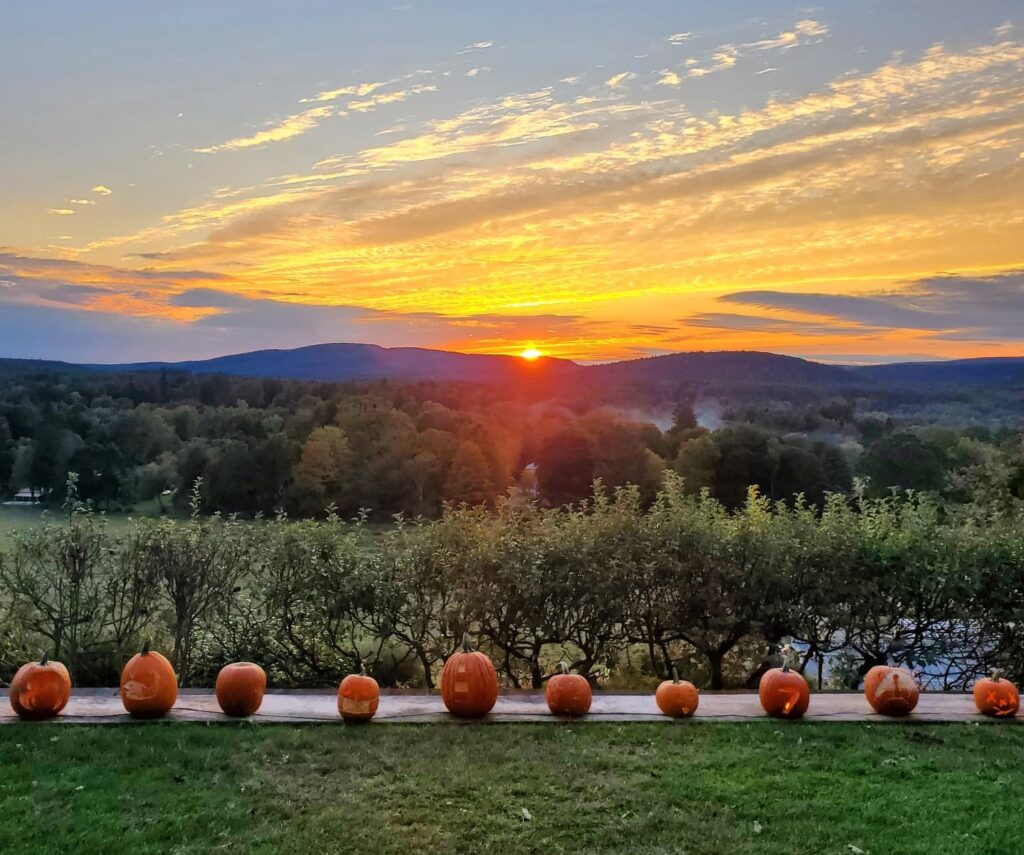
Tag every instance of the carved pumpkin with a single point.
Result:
(240, 687)
(358, 697)
(996, 696)
(149, 687)
(568, 694)
(677, 698)
(891, 691)
(784, 693)
(469, 683)
(40, 689)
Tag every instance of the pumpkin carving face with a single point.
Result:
(568, 694)
(358, 697)
(784, 693)
(996, 697)
(469, 683)
(149, 687)
(40, 689)
(891, 691)
(677, 698)
(240, 688)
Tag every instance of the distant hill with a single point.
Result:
(993, 371)
(697, 370)
(343, 362)
(724, 368)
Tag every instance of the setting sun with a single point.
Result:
(531, 354)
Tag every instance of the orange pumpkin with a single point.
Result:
(240, 687)
(469, 683)
(891, 691)
(568, 694)
(677, 698)
(149, 687)
(358, 697)
(996, 696)
(784, 693)
(40, 689)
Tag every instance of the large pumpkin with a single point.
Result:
(149, 687)
(240, 687)
(469, 683)
(40, 689)
(677, 698)
(358, 697)
(891, 691)
(568, 694)
(784, 693)
(996, 696)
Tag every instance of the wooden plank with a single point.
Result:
(103, 706)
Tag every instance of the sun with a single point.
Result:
(531, 354)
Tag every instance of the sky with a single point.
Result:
(597, 180)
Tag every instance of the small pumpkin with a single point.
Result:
(996, 696)
(358, 697)
(469, 683)
(891, 691)
(40, 689)
(240, 687)
(677, 698)
(149, 686)
(784, 693)
(568, 694)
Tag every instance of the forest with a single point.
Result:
(306, 448)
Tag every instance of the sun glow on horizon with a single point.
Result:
(531, 354)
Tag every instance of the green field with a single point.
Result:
(594, 788)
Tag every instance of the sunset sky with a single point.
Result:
(599, 180)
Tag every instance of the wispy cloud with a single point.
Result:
(680, 38)
(102, 190)
(82, 201)
(726, 56)
(286, 129)
(61, 212)
(484, 45)
(360, 89)
(383, 98)
(619, 79)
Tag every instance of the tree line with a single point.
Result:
(261, 446)
(619, 587)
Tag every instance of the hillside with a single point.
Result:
(711, 370)
(342, 362)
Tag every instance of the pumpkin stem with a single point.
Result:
(785, 666)
(673, 672)
(145, 647)
(467, 644)
(44, 659)
(563, 667)
(996, 675)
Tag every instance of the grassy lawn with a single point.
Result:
(596, 788)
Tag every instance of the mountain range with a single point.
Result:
(354, 362)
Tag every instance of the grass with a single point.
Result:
(15, 519)
(596, 788)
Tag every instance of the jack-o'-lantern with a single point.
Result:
(358, 697)
(40, 689)
(996, 696)
(891, 691)
(469, 683)
(149, 686)
(784, 693)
